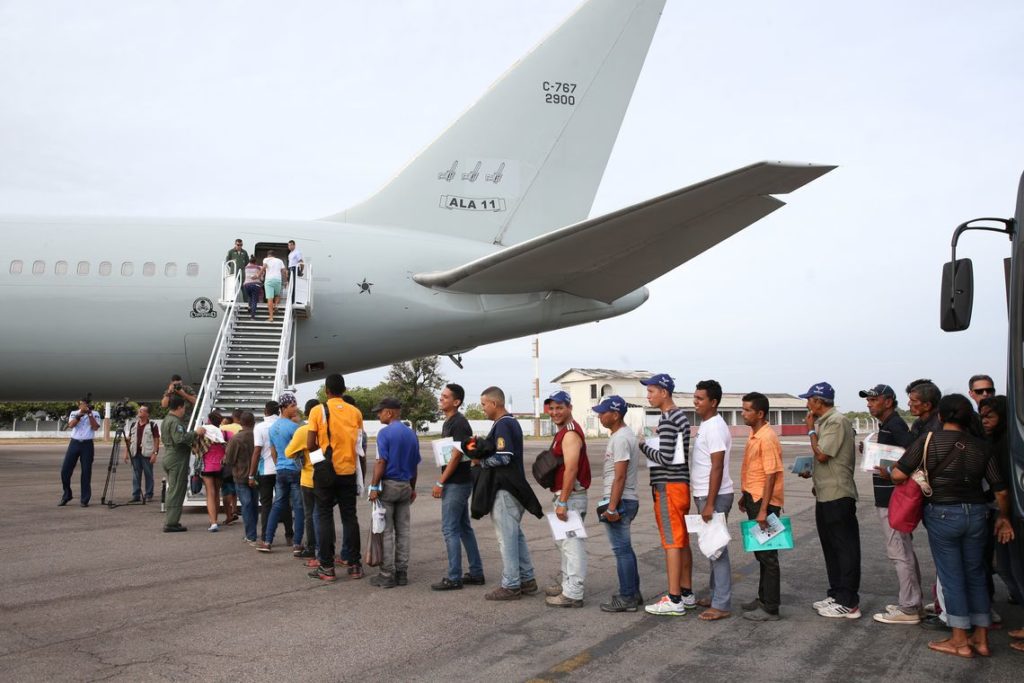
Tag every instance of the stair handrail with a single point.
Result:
(213, 365)
(281, 375)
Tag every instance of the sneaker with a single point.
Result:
(341, 562)
(355, 571)
(620, 604)
(446, 584)
(934, 623)
(263, 546)
(323, 573)
(135, 499)
(929, 608)
(666, 608)
(822, 604)
(252, 542)
(305, 553)
(401, 577)
(173, 528)
(751, 606)
(996, 619)
(288, 539)
(897, 616)
(501, 594)
(471, 580)
(837, 611)
(760, 614)
(312, 563)
(553, 590)
(690, 601)
(561, 600)
(383, 581)
(214, 527)
(529, 587)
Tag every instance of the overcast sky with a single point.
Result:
(259, 109)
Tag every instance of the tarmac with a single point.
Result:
(89, 594)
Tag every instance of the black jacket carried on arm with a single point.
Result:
(487, 481)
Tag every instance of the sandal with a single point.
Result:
(704, 602)
(712, 614)
(946, 647)
(1017, 633)
(1019, 647)
(981, 650)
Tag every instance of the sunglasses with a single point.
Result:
(985, 390)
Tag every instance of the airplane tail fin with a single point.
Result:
(529, 155)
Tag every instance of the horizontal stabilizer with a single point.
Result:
(607, 257)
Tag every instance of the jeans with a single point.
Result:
(956, 535)
(268, 485)
(506, 515)
(343, 494)
(310, 518)
(457, 530)
(397, 499)
(142, 468)
(1010, 567)
(247, 499)
(721, 569)
(900, 549)
(769, 586)
(574, 552)
(622, 548)
(252, 295)
(78, 450)
(839, 535)
(176, 467)
(286, 490)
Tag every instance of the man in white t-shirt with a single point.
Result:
(275, 278)
(264, 464)
(621, 462)
(712, 488)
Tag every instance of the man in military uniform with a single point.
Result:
(177, 442)
(240, 257)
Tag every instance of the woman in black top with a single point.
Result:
(956, 516)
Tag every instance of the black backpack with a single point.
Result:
(544, 468)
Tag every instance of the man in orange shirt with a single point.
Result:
(335, 483)
(761, 482)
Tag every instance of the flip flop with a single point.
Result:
(981, 650)
(1019, 647)
(704, 602)
(945, 647)
(1017, 633)
(712, 614)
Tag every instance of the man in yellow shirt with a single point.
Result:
(297, 449)
(334, 482)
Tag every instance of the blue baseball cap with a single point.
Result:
(820, 390)
(559, 397)
(660, 380)
(610, 403)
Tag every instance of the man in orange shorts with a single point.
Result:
(670, 484)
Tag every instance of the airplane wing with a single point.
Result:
(607, 257)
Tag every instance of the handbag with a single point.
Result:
(324, 475)
(374, 549)
(906, 506)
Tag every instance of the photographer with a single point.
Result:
(142, 439)
(83, 424)
(176, 388)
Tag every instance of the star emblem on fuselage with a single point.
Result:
(364, 286)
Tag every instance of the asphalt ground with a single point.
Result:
(101, 594)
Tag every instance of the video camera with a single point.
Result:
(122, 412)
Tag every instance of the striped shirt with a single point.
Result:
(670, 426)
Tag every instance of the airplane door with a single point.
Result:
(197, 356)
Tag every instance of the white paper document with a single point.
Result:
(775, 528)
(571, 528)
(316, 456)
(443, 451)
(654, 443)
(875, 453)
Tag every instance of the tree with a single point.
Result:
(416, 383)
(475, 412)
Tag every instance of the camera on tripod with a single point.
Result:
(122, 412)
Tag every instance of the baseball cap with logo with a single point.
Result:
(559, 397)
(878, 390)
(820, 390)
(610, 403)
(660, 380)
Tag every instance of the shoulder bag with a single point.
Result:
(906, 507)
(324, 475)
(545, 466)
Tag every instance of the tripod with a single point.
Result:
(115, 453)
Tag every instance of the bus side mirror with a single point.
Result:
(957, 299)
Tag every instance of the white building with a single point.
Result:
(587, 386)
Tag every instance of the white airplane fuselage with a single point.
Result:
(124, 335)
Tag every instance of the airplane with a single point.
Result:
(433, 263)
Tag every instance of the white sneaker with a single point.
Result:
(996, 619)
(666, 608)
(822, 604)
(214, 527)
(690, 601)
(837, 611)
(898, 616)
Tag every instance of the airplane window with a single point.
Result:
(171, 270)
(127, 268)
(104, 268)
(38, 267)
(83, 267)
(60, 268)
(16, 267)
(192, 269)
(149, 269)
